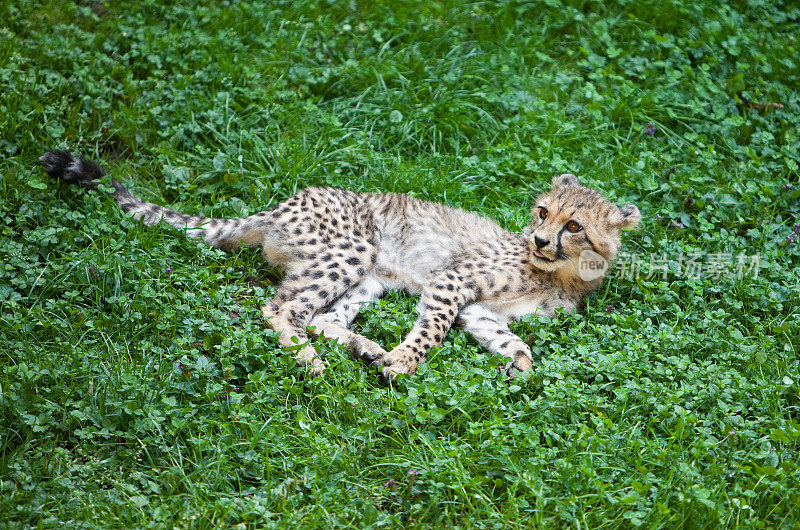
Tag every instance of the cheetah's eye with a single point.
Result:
(543, 212)
(572, 226)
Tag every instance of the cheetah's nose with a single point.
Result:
(540, 242)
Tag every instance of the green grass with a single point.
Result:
(140, 386)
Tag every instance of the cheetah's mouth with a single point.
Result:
(541, 256)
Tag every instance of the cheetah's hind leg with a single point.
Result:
(307, 355)
(334, 323)
(360, 346)
(307, 288)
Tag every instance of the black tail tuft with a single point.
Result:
(220, 233)
(63, 166)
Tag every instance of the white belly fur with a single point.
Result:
(515, 308)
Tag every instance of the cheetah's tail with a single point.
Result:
(220, 233)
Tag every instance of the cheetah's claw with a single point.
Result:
(509, 369)
(396, 362)
(371, 358)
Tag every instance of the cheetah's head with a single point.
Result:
(572, 221)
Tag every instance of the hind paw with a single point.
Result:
(309, 357)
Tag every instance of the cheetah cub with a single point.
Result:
(342, 249)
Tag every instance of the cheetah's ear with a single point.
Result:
(564, 180)
(627, 216)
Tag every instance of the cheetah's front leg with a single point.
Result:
(491, 331)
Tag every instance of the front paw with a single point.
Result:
(399, 361)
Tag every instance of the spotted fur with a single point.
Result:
(341, 250)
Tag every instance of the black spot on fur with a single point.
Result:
(440, 299)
